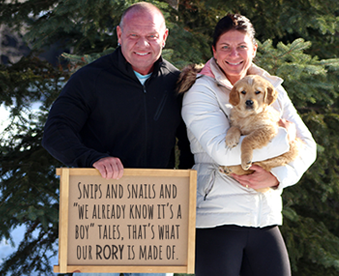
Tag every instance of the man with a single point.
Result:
(122, 109)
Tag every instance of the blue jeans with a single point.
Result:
(125, 274)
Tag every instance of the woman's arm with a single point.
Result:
(291, 173)
(208, 123)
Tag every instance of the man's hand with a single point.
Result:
(109, 167)
(258, 179)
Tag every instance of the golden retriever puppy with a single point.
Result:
(253, 116)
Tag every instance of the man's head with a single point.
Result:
(142, 34)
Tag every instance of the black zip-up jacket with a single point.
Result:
(104, 111)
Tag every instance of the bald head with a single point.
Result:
(142, 34)
(142, 8)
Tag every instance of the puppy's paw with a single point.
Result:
(231, 141)
(225, 169)
(246, 165)
(246, 161)
(232, 137)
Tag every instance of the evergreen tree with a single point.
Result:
(298, 41)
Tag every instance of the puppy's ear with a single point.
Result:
(271, 94)
(234, 96)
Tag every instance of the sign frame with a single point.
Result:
(65, 267)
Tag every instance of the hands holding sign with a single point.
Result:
(109, 167)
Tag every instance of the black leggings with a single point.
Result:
(232, 251)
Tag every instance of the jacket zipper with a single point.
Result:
(146, 123)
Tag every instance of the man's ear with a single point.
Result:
(255, 47)
(119, 32)
(165, 35)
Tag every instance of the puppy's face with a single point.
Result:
(252, 94)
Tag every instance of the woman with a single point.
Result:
(237, 227)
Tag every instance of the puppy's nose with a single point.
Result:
(249, 103)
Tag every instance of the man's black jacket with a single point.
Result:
(104, 111)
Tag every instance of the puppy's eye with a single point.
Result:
(243, 92)
(257, 92)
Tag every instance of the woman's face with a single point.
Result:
(234, 53)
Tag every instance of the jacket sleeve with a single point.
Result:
(65, 121)
(208, 125)
(291, 173)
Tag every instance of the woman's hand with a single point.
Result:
(258, 179)
(290, 128)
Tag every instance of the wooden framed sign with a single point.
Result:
(143, 222)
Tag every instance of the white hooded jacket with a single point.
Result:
(221, 200)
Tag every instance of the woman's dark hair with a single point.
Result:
(235, 22)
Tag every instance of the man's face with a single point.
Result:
(142, 39)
